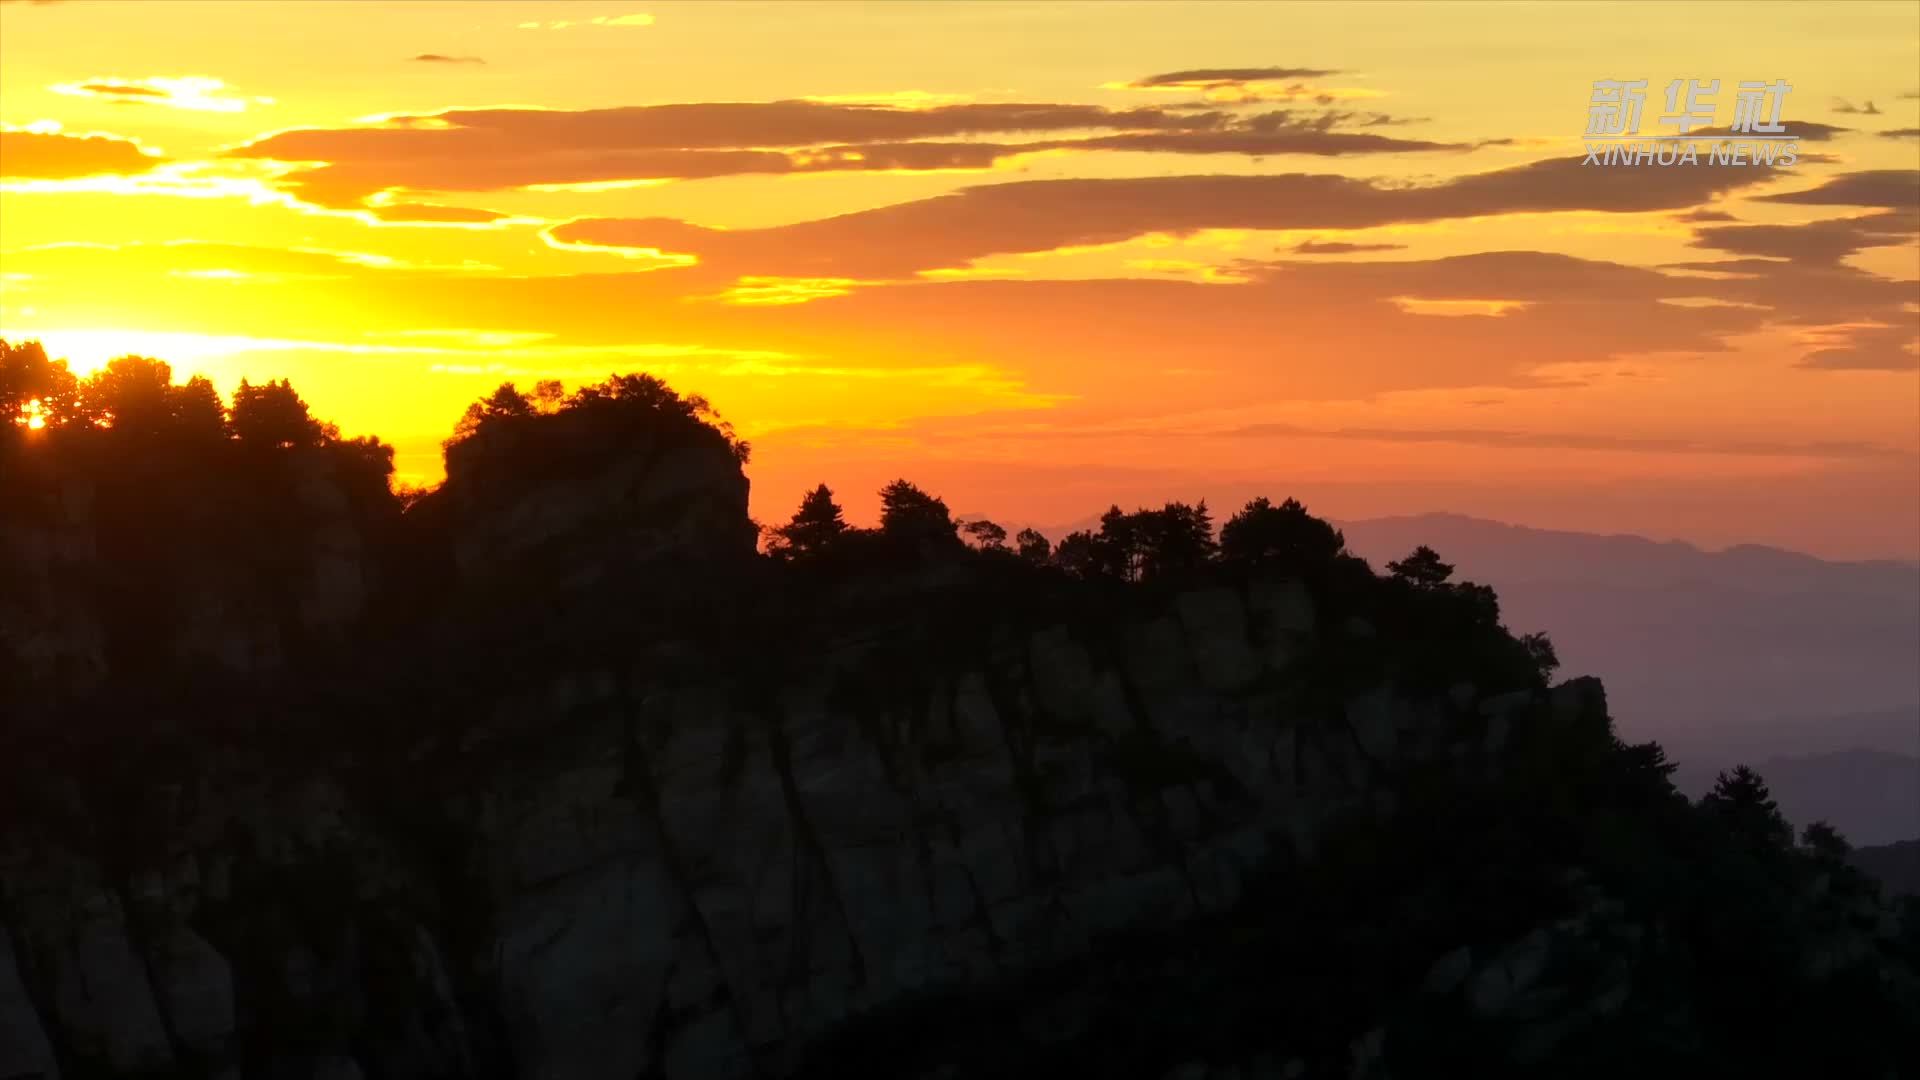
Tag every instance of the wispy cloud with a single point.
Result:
(1249, 84)
(1540, 440)
(1340, 247)
(442, 58)
(955, 229)
(1201, 78)
(636, 19)
(507, 148)
(196, 93)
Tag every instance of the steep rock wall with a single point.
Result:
(617, 874)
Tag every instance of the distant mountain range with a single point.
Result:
(1896, 865)
(1806, 669)
(1871, 796)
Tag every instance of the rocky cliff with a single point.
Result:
(947, 820)
(136, 569)
(672, 877)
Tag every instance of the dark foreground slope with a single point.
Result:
(554, 776)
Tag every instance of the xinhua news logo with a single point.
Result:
(1756, 136)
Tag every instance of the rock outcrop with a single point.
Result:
(568, 823)
(121, 571)
(590, 495)
(693, 880)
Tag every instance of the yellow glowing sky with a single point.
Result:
(983, 246)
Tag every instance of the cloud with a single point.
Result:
(1247, 85)
(195, 93)
(441, 58)
(496, 149)
(1204, 78)
(1541, 440)
(1842, 105)
(205, 258)
(1901, 133)
(955, 229)
(1340, 247)
(1890, 348)
(1320, 143)
(1893, 189)
(1704, 214)
(1819, 241)
(115, 90)
(1806, 130)
(40, 155)
(597, 20)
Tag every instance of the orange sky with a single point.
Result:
(1037, 257)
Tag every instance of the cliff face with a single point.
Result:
(679, 847)
(625, 876)
(130, 569)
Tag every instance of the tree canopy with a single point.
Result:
(1283, 536)
(911, 514)
(814, 529)
(637, 402)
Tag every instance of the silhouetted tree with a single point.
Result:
(1081, 554)
(1540, 650)
(986, 535)
(132, 395)
(1117, 551)
(1175, 539)
(1032, 546)
(197, 410)
(1284, 536)
(1422, 568)
(548, 395)
(366, 454)
(505, 403)
(908, 513)
(640, 400)
(272, 414)
(34, 387)
(1742, 804)
(1825, 841)
(1143, 545)
(816, 526)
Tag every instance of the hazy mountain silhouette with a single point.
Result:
(1896, 865)
(1724, 656)
(1871, 796)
